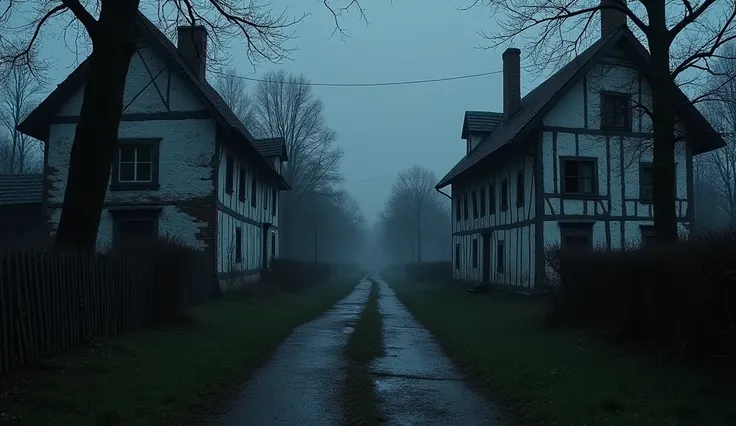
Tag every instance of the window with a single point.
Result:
(475, 205)
(457, 256)
(274, 205)
(238, 245)
(646, 185)
(576, 235)
(273, 244)
(136, 164)
(504, 195)
(520, 189)
(615, 111)
(458, 211)
(647, 235)
(465, 205)
(499, 258)
(492, 199)
(229, 165)
(253, 190)
(483, 201)
(265, 198)
(134, 228)
(241, 183)
(475, 253)
(579, 176)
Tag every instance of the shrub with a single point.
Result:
(679, 297)
(178, 274)
(294, 275)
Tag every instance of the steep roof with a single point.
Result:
(21, 189)
(272, 147)
(37, 122)
(536, 103)
(480, 121)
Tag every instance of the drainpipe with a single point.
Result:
(443, 193)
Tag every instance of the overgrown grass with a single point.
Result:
(364, 345)
(163, 376)
(562, 376)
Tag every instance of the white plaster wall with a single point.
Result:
(519, 240)
(186, 150)
(150, 85)
(618, 157)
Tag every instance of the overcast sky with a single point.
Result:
(384, 130)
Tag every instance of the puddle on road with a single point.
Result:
(348, 330)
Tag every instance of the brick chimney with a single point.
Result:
(511, 80)
(612, 20)
(192, 44)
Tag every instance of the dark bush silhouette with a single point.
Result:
(293, 275)
(680, 297)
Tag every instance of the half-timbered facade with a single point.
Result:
(567, 164)
(185, 167)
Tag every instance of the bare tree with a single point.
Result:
(110, 27)
(285, 106)
(19, 94)
(683, 39)
(412, 210)
(234, 92)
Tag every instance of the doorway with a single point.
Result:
(486, 258)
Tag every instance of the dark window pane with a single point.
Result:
(143, 172)
(475, 253)
(133, 232)
(127, 154)
(576, 241)
(143, 154)
(579, 176)
(126, 172)
(483, 201)
(457, 256)
(273, 244)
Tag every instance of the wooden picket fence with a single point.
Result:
(52, 301)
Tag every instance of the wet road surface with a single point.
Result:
(301, 384)
(416, 383)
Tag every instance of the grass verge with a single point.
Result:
(364, 345)
(562, 376)
(162, 376)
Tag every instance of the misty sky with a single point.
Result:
(384, 129)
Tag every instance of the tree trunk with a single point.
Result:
(663, 121)
(95, 140)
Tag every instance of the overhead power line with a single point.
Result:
(392, 83)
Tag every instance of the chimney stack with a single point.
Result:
(612, 20)
(192, 44)
(511, 80)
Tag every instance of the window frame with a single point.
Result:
(520, 192)
(576, 229)
(564, 160)
(492, 199)
(457, 256)
(153, 144)
(474, 253)
(254, 190)
(628, 118)
(134, 215)
(504, 195)
(229, 173)
(242, 182)
(238, 244)
(482, 200)
(500, 257)
(474, 197)
(644, 165)
(647, 231)
(465, 205)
